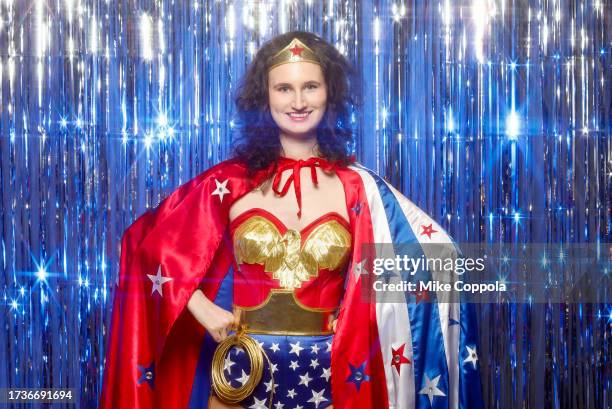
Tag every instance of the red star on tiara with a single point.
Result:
(296, 50)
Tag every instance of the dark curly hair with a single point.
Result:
(258, 144)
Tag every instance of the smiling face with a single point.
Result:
(298, 98)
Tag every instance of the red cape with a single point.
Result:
(154, 343)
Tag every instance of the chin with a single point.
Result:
(301, 133)
(302, 130)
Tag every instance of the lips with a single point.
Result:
(299, 116)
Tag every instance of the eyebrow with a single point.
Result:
(286, 84)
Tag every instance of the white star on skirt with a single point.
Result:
(228, 363)
(243, 378)
(295, 348)
(314, 363)
(259, 404)
(270, 385)
(317, 397)
(326, 374)
(305, 379)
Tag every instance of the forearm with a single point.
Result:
(215, 319)
(197, 301)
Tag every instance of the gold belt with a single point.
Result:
(282, 313)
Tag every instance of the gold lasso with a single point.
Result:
(222, 388)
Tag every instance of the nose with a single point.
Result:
(298, 102)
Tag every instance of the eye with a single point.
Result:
(312, 86)
(283, 89)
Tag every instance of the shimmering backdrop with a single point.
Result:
(494, 116)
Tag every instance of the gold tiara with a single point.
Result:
(295, 51)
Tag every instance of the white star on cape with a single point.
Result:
(275, 347)
(221, 189)
(291, 393)
(294, 365)
(158, 281)
(431, 388)
(317, 397)
(472, 356)
(314, 348)
(314, 363)
(299, 407)
(328, 347)
(259, 404)
(274, 368)
(305, 379)
(243, 378)
(326, 374)
(295, 348)
(278, 405)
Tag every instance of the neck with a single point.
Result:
(298, 148)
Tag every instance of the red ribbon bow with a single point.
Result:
(297, 165)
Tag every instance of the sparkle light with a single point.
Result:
(148, 140)
(513, 125)
(40, 29)
(162, 120)
(146, 34)
(263, 19)
(544, 261)
(450, 122)
(480, 12)
(93, 35)
(41, 273)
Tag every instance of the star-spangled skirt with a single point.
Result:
(301, 366)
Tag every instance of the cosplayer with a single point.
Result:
(249, 286)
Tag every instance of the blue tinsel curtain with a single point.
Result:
(494, 116)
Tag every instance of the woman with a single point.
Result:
(279, 236)
(295, 124)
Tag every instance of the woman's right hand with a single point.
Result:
(215, 319)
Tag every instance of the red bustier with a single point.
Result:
(310, 262)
